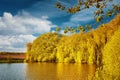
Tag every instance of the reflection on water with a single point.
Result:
(41, 71)
(75, 71)
(59, 71)
(46, 71)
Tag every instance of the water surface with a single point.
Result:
(46, 71)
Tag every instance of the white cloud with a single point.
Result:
(68, 33)
(61, 32)
(17, 30)
(23, 24)
(15, 43)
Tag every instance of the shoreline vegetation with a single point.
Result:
(100, 46)
(82, 47)
(12, 57)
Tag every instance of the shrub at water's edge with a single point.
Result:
(83, 47)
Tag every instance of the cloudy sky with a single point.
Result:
(21, 21)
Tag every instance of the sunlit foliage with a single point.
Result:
(111, 60)
(29, 46)
(44, 48)
(82, 47)
(111, 56)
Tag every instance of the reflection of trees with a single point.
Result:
(59, 71)
(67, 71)
(41, 71)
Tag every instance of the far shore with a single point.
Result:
(12, 57)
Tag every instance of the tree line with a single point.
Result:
(82, 47)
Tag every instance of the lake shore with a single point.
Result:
(12, 57)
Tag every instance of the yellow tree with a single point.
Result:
(28, 55)
(44, 47)
(111, 56)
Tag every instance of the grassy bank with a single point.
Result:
(12, 57)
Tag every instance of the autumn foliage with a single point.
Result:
(83, 47)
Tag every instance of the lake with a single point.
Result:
(46, 71)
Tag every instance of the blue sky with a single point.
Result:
(21, 21)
